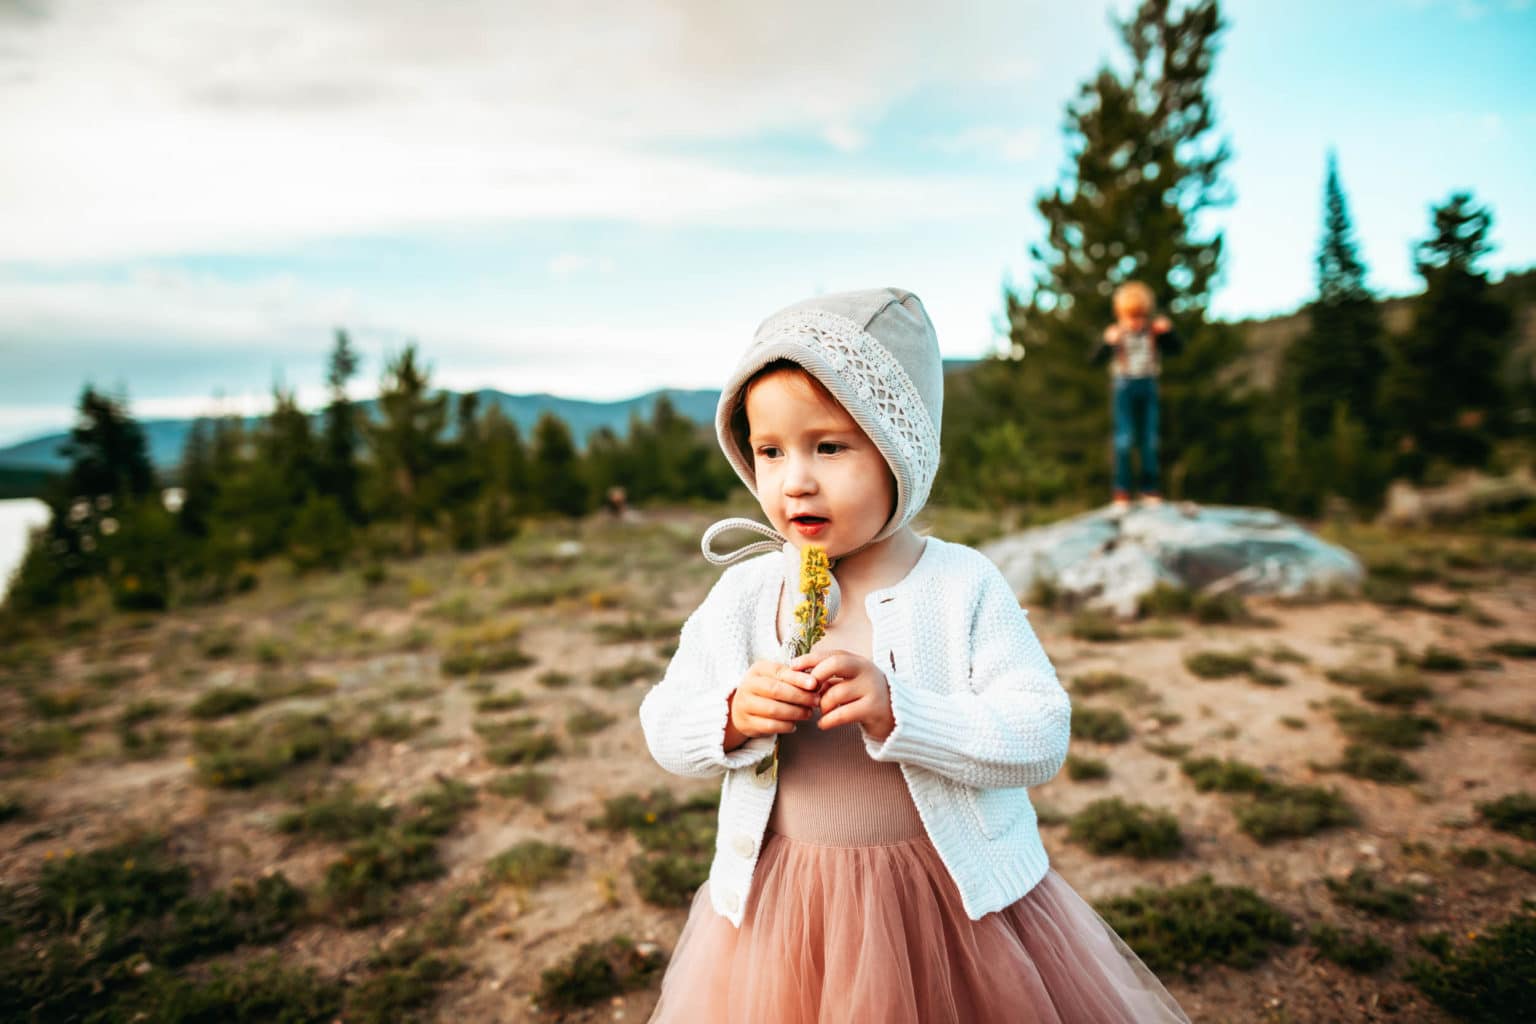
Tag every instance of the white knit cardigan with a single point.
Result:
(980, 717)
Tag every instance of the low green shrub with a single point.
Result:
(636, 630)
(1491, 978)
(1287, 812)
(339, 815)
(250, 754)
(1363, 890)
(1210, 773)
(586, 721)
(530, 863)
(1199, 923)
(1113, 826)
(631, 671)
(1094, 684)
(1086, 769)
(1401, 688)
(1096, 627)
(529, 784)
(1515, 814)
(598, 971)
(1513, 649)
(1404, 731)
(1366, 761)
(1218, 664)
(678, 839)
(221, 702)
(1100, 725)
(1359, 953)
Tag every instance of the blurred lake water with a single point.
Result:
(18, 516)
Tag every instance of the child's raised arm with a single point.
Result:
(1003, 720)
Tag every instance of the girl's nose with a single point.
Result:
(799, 477)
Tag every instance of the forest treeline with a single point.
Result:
(1353, 406)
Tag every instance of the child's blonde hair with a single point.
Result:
(1134, 295)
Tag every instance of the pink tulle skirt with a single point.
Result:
(878, 933)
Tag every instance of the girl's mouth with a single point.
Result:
(809, 526)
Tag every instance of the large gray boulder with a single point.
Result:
(1107, 559)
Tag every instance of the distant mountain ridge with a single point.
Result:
(167, 438)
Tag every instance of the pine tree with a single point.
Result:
(286, 444)
(107, 451)
(464, 475)
(505, 474)
(407, 443)
(1442, 396)
(1145, 164)
(1340, 358)
(199, 484)
(556, 482)
(339, 475)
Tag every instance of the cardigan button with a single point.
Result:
(730, 901)
(744, 845)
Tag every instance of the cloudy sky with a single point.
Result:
(598, 198)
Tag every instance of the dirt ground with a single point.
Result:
(372, 641)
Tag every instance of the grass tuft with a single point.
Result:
(1188, 927)
(1364, 891)
(1112, 826)
(1359, 953)
(1086, 769)
(1491, 978)
(1515, 814)
(530, 863)
(1100, 725)
(596, 972)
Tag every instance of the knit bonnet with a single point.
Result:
(875, 351)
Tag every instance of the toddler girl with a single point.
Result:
(886, 864)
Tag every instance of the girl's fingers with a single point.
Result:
(837, 695)
(838, 663)
(767, 707)
(790, 675)
(788, 693)
(845, 714)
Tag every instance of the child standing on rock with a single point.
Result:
(1135, 345)
(878, 857)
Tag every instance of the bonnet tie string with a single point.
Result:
(774, 540)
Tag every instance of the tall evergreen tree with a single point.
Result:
(1331, 374)
(106, 450)
(464, 475)
(199, 483)
(556, 483)
(286, 445)
(1145, 163)
(1442, 396)
(407, 443)
(339, 471)
(505, 473)
(1340, 359)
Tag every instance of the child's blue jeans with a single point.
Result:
(1135, 411)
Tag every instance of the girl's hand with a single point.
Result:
(1162, 325)
(853, 690)
(771, 699)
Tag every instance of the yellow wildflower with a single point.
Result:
(811, 613)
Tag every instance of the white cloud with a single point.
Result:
(175, 125)
(1017, 145)
(568, 263)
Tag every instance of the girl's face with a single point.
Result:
(820, 479)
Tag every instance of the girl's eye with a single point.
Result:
(768, 451)
(830, 447)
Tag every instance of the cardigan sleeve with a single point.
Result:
(1006, 723)
(684, 715)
